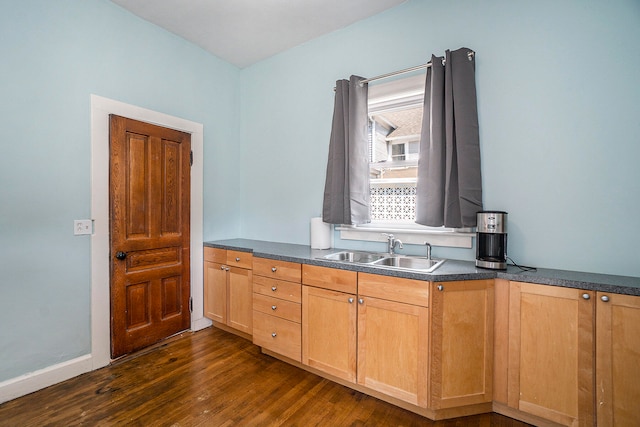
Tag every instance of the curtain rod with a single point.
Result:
(470, 55)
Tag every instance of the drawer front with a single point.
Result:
(283, 270)
(277, 288)
(278, 335)
(277, 307)
(415, 292)
(215, 255)
(330, 278)
(239, 259)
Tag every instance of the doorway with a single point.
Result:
(101, 108)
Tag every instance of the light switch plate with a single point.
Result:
(82, 226)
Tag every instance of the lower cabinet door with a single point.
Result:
(393, 348)
(329, 331)
(461, 343)
(551, 353)
(240, 314)
(618, 360)
(215, 292)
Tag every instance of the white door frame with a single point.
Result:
(101, 108)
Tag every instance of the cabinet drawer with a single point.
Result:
(276, 269)
(239, 259)
(415, 292)
(330, 278)
(277, 288)
(278, 335)
(277, 307)
(215, 255)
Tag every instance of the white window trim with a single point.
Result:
(400, 93)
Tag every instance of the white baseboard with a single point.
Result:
(200, 323)
(37, 380)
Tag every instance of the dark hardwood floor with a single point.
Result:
(211, 378)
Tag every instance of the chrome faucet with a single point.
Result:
(392, 243)
(428, 249)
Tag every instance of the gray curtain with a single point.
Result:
(346, 190)
(449, 190)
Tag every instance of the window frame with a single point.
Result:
(402, 93)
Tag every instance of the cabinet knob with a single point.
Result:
(222, 267)
(273, 288)
(604, 298)
(237, 259)
(350, 300)
(273, 269)
(273, 307)
(227, 269)
(440, 288)
(273, 334)
(586, 296)
(360, 301)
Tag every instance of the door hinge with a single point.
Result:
(190, 304)
(191, 158)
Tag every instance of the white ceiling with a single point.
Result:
(243, 32)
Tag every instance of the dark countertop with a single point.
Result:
(449, 271)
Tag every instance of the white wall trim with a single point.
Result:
(28, 383)
(100, 312)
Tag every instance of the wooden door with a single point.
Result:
(618, 360)
(149, 230)
(551, 353)
(461, 343)
(329, 331)
(393, 350)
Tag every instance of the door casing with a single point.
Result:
(100, 311)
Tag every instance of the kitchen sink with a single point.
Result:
(400, 262)
(426, 265)
(355, 256)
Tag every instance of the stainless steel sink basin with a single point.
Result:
(354, 256)
(425, 265)
(400, 262)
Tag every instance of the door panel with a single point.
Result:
(149, 212)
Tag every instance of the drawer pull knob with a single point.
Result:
(350, 300)
(586, 296)
(604, 298)
(273, 307)
(273, 334)
(222, 267)
(273, 288)
(273, 269)
(360, 301)
(237, 259)
(440, 288)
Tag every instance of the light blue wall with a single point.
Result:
(559, 114)
(54, 54)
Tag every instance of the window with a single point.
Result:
(395, 121)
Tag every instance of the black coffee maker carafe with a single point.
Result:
(491, 240)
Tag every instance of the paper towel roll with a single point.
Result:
(320, 234)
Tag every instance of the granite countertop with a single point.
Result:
(449, 271)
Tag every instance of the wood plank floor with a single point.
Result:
(211, 378)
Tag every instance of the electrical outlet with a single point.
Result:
(82, 226)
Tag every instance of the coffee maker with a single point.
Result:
(491, 240)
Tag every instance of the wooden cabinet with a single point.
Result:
(461, 370)
(277, 311)
(228, 288)
(551, 353)
(329, 320)
(618, 360)
(393, 336)
(380, 319)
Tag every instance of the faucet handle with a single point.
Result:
(389, 236)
